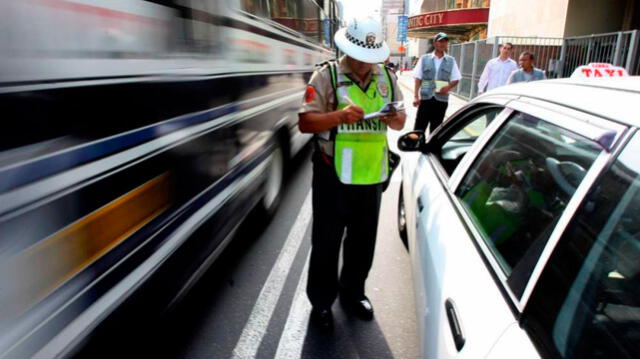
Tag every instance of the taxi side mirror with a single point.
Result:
(412, 141)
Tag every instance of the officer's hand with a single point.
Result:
(390, 117)
(394, 120)
(351, 114)
(416, 102)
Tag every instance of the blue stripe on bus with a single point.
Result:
(29, 172)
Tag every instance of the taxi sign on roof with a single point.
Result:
(599, 69)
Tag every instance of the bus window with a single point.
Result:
(199, 25)
(311, 20)
(299, 15)
(256, 7)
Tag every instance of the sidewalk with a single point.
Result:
(406, 82)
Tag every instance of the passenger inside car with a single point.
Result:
(512, 194)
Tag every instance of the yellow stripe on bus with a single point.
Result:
(44, 267)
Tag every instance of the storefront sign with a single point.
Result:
(426, 20)
(450, 17)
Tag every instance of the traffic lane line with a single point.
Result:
(295, 329)
(256, 327)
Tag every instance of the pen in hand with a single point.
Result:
(352, 113)
(347, 99)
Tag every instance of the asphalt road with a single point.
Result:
(252, 304)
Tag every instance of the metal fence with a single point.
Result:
(558, 57)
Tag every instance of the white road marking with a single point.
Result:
(295, 330)
(256, 327)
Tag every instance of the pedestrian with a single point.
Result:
(435, 74)
(350, 164)
(497, 70)
(527, 71)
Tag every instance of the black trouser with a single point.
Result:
(430, 112)
(337, 206)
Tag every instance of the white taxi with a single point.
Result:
(522, 213)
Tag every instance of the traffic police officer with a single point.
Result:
(350, 163)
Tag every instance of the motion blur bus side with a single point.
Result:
(137, 135)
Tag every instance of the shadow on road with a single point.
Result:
(351, 338)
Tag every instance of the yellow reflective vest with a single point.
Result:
(361, 153)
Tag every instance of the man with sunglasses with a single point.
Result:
(497, 70)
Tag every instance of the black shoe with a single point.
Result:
(360, 307)
(322, 318)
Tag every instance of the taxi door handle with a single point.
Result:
(454, 324)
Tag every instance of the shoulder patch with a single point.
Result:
(310, 94)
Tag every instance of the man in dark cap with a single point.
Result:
(435, 74)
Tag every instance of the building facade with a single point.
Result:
(562, 34)
(389, 6)
(562, 18)
(462, 20)
(390, 10)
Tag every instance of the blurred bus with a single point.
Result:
(136, 136)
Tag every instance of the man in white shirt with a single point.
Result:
(496, 71)
(435, 75)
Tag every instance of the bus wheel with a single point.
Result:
(273, 182)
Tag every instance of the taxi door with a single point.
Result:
(449, 274)
(500, 186)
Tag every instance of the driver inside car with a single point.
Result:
(508, 192)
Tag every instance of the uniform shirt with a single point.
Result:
(323, 99)
(496, 73)
(455, 72)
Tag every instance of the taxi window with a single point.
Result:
(587, 301)
(455, 142)
(518, 187)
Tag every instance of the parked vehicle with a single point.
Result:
(522, 213)
(137, 136)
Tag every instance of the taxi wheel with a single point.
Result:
(273, 183)
(402, 220)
